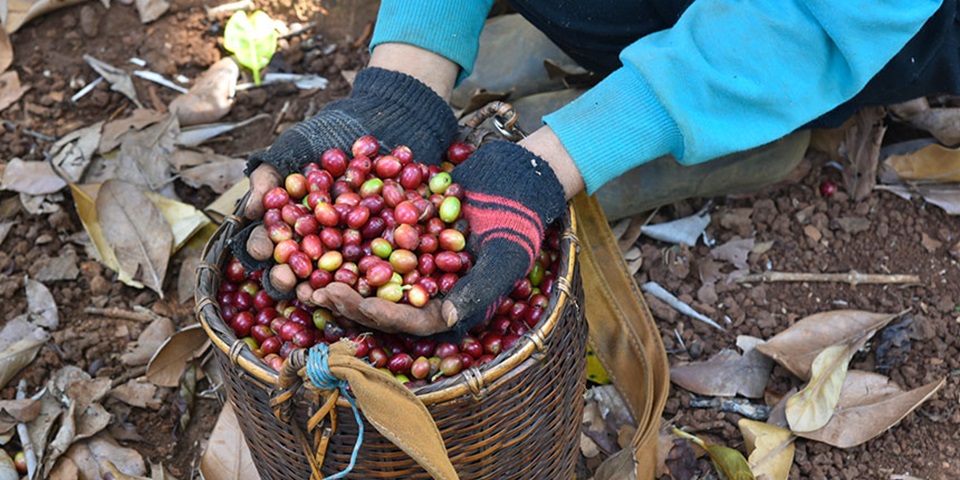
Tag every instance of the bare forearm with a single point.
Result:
(435, 71)
(545, 143)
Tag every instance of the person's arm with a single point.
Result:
(729, 76)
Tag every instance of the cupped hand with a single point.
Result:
(381, 314)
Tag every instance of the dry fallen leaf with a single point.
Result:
(942, 123)
(933, 163)
(619, 466)
(6, 51)
(167, 365)
(113, 132)
(32, 178)
(62, 267)
(40, 304)
(73, 152)
(735, 251)
(103, 447)
(211, 97)
(137, 394)
(137, 231)
(869, 405)
(726, 374)
(184, 219)
(120, 81)
(10, 89)
(15, 357)
(143, 154)
(861, 150)
(5, 228)
(227, 203)
(796, 347)
(8, 470)
(186, 281)
(943, 195)
(151, 10)
(227, 456)
(219, 176)
(84, 197)
(148, 342)
(771, 448)
(812, 407)
(16, 411)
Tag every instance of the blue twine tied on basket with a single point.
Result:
(319, 372)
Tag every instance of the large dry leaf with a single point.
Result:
(10, 89)
(13, 412)
(15, 13)
(227, 203)
(104, 448)
(137, 232)
(18, 355)
(812, 407)
(796, 347)
(771, 448)
(167, 365)
(62, 440)
(148, 342)
(861, 149)
(219, 176)
(869, 405)
(73, 152)
(227, 456)
(942, 123)
(727, 461)
(6, 51)
(40, 304)
(186, 280)
(143, 154)
(728, 373)
(211, 97)
(32, 178)
(114, 131)
(932, 163)
(85, 202)
(120, 81)
(184, 219)
(945, 195)
(137, 394)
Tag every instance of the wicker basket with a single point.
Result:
(517, 417)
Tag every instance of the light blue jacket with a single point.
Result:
(729, 76)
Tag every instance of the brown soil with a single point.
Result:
(48, 55)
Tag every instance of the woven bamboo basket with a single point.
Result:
(517, 417)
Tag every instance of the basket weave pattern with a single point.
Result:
(522, 424)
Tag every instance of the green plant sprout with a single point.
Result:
(252, 39)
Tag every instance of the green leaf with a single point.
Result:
(252, 39)
(729, 462)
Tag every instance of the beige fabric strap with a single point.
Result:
(622, 331)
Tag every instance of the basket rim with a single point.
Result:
(472, 381)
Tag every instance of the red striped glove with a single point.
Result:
(511, 195)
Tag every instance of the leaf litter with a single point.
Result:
(728, 373)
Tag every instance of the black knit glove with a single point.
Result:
(395, 108)
(510, 196)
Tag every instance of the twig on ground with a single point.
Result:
(139, 314)
(852, 277)
(739, 406)
(24, 435)
(654, 288)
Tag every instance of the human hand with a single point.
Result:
(510, 196)
(395, 108)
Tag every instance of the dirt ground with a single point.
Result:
(810, 233)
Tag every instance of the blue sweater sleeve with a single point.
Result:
(729, 76)
(449, 28)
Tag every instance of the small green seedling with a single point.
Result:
(252, 39)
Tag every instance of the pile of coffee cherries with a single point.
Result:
(382, 224)
(273, 328)
(386, 226)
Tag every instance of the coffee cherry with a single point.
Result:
(334, 161)
(457, 152)
(365, 146)
(828, 188)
